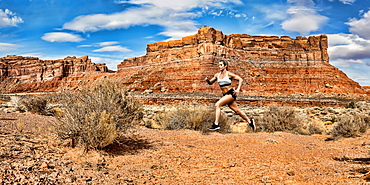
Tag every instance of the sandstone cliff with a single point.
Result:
(268, 65)
(30, 74)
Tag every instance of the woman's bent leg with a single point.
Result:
(236, 109)
(227, 99)
(234, 106)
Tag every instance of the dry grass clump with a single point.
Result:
(280, 118)
(94, 118)
(353, 124)
(352, 105)
(34, 104)
(191, 116)
(316, 127)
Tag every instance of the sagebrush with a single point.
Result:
(94, 118)
(280, 118)
(34, 104)
(353, 124)
(191, 116)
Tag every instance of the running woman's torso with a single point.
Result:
(225, 82)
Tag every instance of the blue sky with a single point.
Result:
(111, 30)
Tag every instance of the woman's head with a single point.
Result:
(224, 63)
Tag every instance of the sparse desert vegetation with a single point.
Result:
(97, 117)
(119, 140)
(339, 122)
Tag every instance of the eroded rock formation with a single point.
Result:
(269, 65)
(30, 74)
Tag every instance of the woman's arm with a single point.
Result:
(212, 80)
(236, 77)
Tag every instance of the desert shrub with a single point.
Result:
(93, 118)
(280, 118)
(351, 105)
(316, 127)
(34, 104)
(191, 116)
(350, 125)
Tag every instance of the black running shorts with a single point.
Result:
(231, 92)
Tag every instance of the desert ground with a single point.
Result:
(30, 153)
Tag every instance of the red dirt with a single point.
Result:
(29, 155)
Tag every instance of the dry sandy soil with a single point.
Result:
(29, 154)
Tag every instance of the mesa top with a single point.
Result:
(224, 81)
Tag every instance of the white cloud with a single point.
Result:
(181, 5)
(180, 29)
(112, 48)
(340, 39)
(38, 55)
(109, 43)
(99, 44)
(85, 46)
(135, 16)
(98, 59)
(8, 46)
(348, 46)
(346, 63)
(8, 18)
(347, 1)
(61, 37)
(276, 12)
(175, 16)
(107, 47)
(303, 20)
(358, 72)
(306, 3)
(350, 53)
(361, 26)
(360, 77)
(110, 62)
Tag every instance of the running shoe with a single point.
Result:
(214, 127)
(252, 124)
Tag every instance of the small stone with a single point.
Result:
(44, 165)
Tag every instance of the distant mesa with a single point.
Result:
(268, 64)
(30, 74)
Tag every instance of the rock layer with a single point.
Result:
(268, 65)
(30, 74)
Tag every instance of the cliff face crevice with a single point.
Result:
(30, 74)
(268, 64)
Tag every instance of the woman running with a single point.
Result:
(224, 78)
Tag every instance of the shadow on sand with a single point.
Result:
(128, 145)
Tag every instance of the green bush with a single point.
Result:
(94, 118)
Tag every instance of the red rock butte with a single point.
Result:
(30, 74)
(268, 65)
